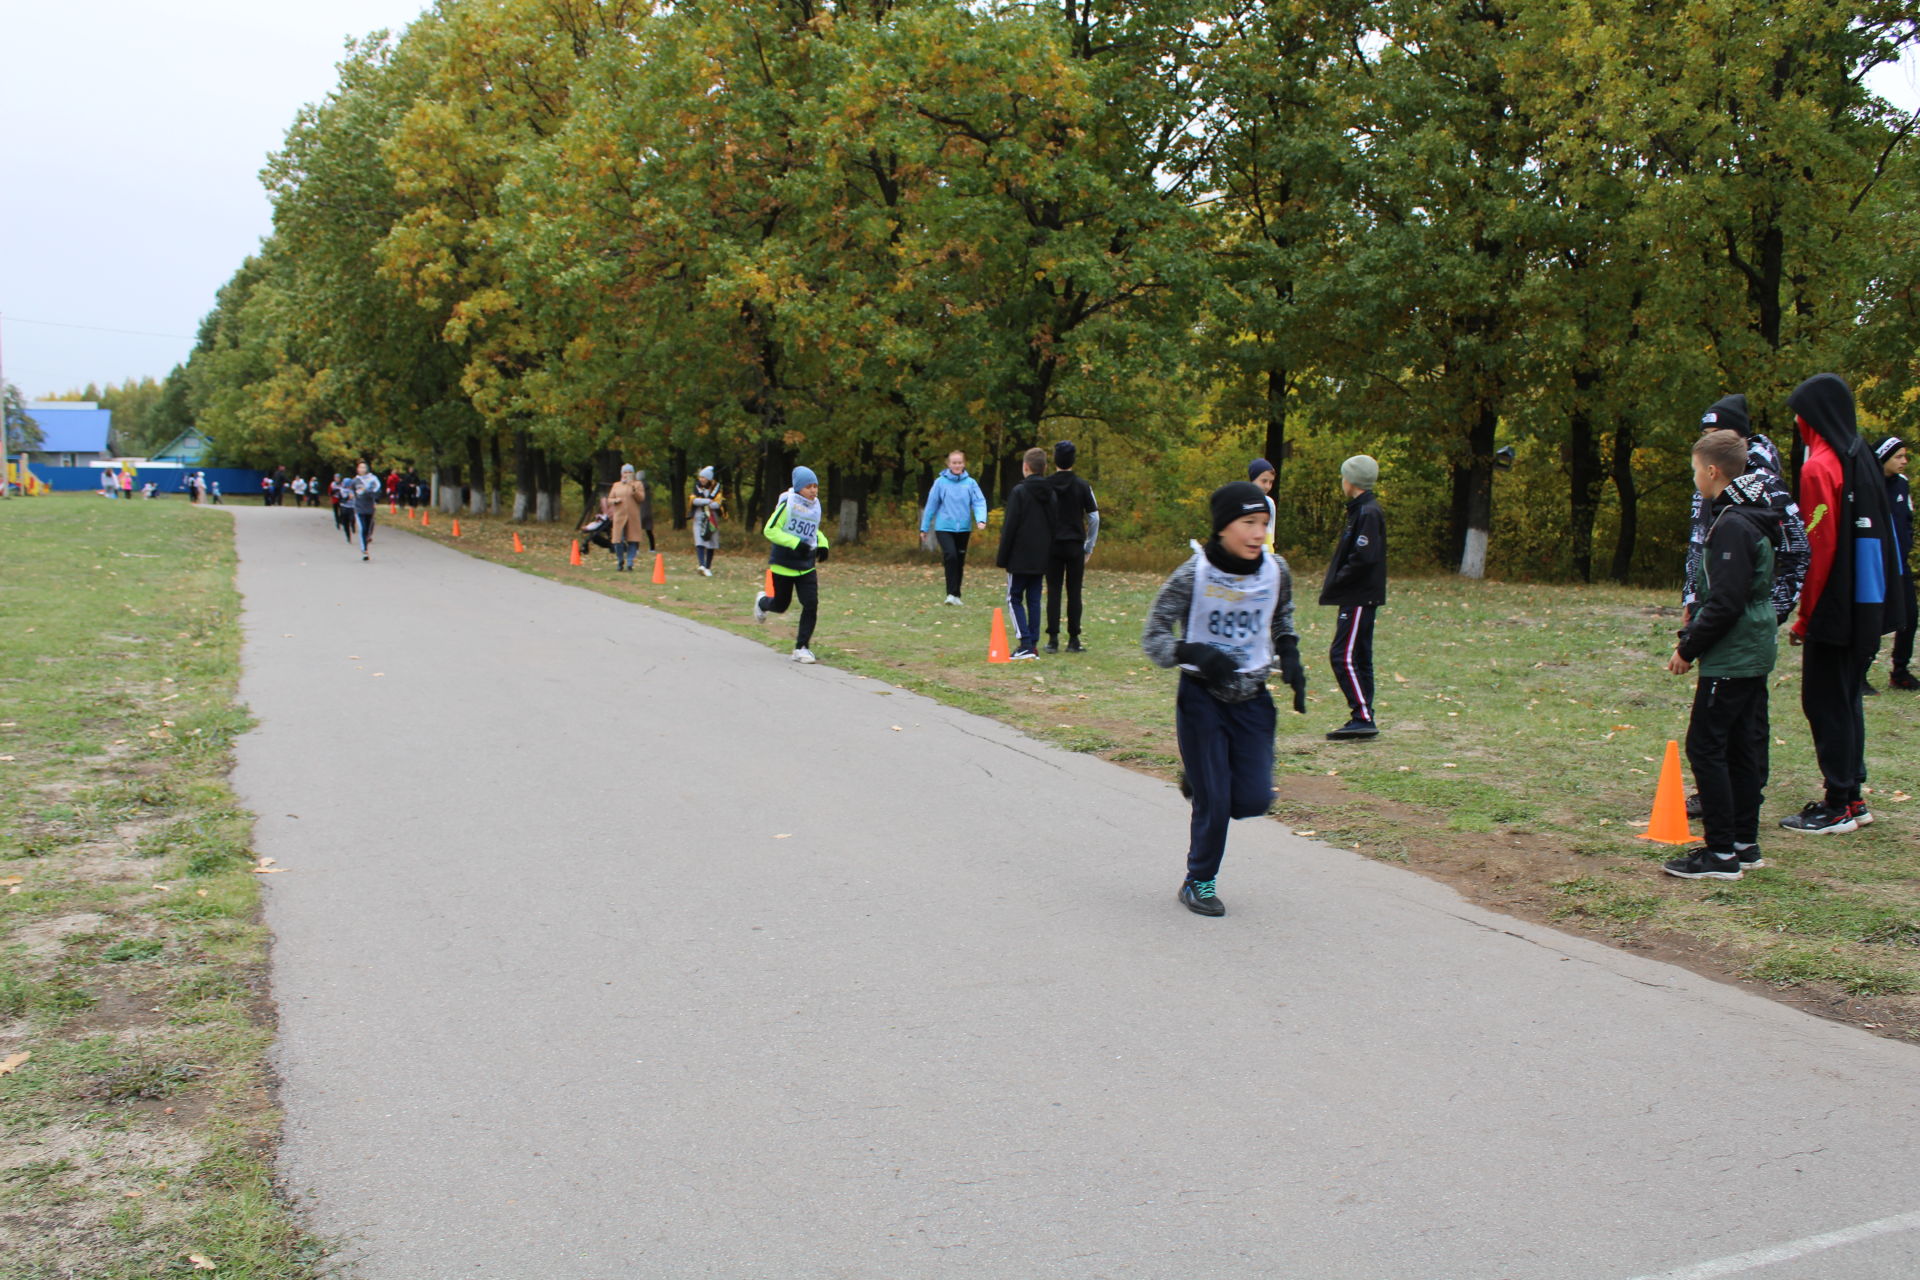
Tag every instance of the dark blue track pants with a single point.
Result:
(1227, 748)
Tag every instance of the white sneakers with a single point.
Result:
(953, 600)
(804, 657)
(759, 614)
(705, 572)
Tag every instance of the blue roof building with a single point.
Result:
(73, 432)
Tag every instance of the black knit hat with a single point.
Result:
(1231, 501)
(1888, 447)
(1063, 454)
(1728, 413)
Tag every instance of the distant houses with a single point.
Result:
(74, 433)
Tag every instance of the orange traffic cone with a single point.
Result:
(997, 639)
(659, 567)
(426, 517)
(517, 547)
(769, 591)
(576, 552)
(1669, 825)
(393, 508)
(411, 514)
(456, 526)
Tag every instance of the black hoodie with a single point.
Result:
(1846, 600)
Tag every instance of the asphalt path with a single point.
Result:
(613, 946)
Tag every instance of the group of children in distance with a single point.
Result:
(1857, 587)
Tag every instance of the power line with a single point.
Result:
(94, 328)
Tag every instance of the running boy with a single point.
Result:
(1226, 618)
(1731, 634)
(1357, 585)
(798, 545)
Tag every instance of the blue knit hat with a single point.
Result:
(803, 476)
(1257, 468)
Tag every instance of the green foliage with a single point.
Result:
(526, 238)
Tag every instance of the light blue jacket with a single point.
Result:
(954, 504)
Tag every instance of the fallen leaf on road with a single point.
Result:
(896, 728)
(784, 835)
(11, 1063)
(266, 862)
(1306, 833)
(268, 871)
(378, 674)
(353, 657)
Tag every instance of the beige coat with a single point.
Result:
(623, 505)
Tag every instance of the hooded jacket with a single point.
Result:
(1076, 515)
(1729, 413)
(954, 504)
(1733, 631)
(1026, 528)
(1853, 561)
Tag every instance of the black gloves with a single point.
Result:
(1217, 665)
(820, 555)
(1291, 673)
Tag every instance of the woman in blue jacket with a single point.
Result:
(955, 508)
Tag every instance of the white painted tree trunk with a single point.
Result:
(519, 506)
(543, 507)
(849, 522)
(1473, 560)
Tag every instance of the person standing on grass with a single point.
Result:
(1026, 545)
(955, 511)
(707, 506)
(1849, 600)
(1226, 619)
(1892, 453)
(621, 506)
(1356, 584)
(1731, 633)
(1263, 476)
(1076, 527)
(361, 491)
(646, 514)
(799, 544)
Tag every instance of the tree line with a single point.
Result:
(523, 239)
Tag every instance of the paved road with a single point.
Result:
(616, 947)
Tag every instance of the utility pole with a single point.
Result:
(5, 490)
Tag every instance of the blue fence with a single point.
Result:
(169, 481)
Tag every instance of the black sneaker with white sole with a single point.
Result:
(1705, 864)
(1750, 858)
(1820, 818)
(1862, 816)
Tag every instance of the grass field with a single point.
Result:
(136, 1132)
(1524, 730)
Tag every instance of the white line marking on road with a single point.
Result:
(1792, 1249)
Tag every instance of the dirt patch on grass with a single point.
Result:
(1515, 871)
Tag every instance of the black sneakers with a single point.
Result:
(1862, 816)
(1073, 646)
(1705, 864)
(1750, 859)
(1053, 646)
(1903, 679)
(1820, 818)
(1354, 729)
(1199, 898)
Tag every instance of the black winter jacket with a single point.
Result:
(1026, 527)
(1732, 630)
(1358, 573)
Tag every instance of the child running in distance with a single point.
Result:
(798, 546)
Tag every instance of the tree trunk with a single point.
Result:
(477, 486)
(1585, 472)
(589, 500)
(499, 474)
(1276, 442)
(677, 487)
(523, 472)
(1629, 494)
(1473, 493)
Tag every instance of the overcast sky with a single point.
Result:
(131, 141)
